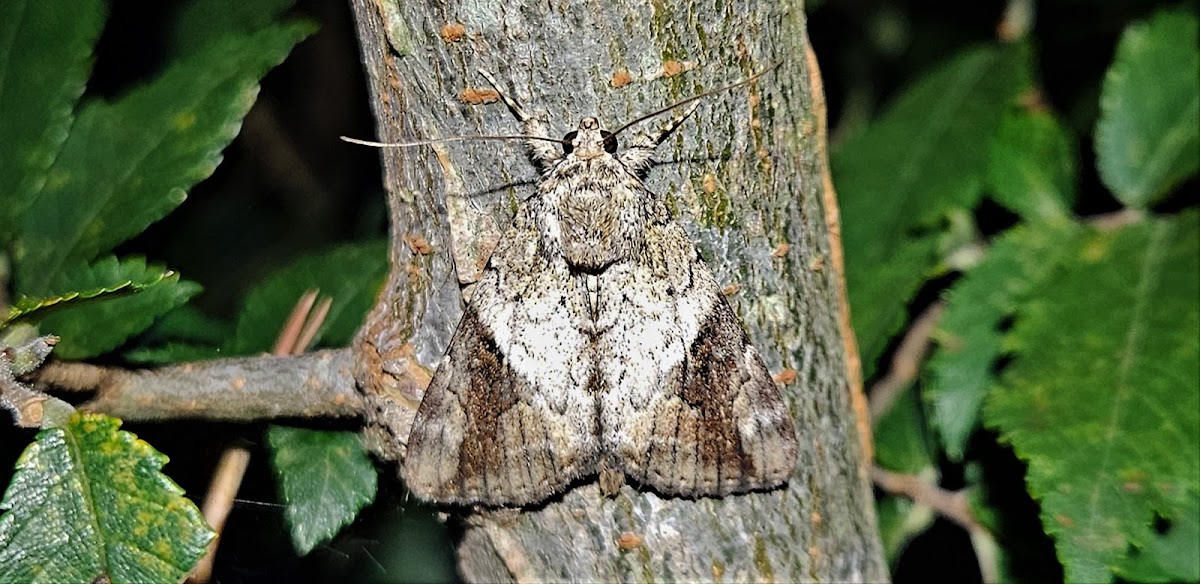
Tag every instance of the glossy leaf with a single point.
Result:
(129, 162)
(91, 327)
(83, 281)
(88, 502)
(95, 307)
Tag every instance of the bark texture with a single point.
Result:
(744, 176)
(313, 385)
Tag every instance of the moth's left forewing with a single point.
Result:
(507, 418)
(688, 406)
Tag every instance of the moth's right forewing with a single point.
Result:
(508, 417)
(689, 408)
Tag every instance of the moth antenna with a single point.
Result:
(542, 155)
(441, 140)
(509, 102)
(678, 104)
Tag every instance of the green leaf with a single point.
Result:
(187, 323)
(83, 281)
(925, 157)
(96, 307)
(128, 163)
(901, 445)
(202, 21)
(183, 334)
(1172, 557)
(349, 275)
(45, 56)
(879, 293)
(1102, 398)
(1031, 166)
(88, 501)
(968, 332)
(89, 328)
(1148, 134)
(325, 479)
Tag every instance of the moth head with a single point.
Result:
(589, 141)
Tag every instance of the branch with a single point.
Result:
(952, 505)
(30, 408)
(907, 360)
(318, 384)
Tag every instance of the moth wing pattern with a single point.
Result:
(689, 408)
(597, 341)
(507, 417)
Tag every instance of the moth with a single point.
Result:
(597, 343)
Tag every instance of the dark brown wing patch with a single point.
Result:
(508, 418)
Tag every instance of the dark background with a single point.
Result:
(288, 187)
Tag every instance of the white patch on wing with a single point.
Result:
(646, 332)
(532, 311)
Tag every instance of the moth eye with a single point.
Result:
(610, 141)
(569, 142)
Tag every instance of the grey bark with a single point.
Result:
(744, 176)
(319, 384)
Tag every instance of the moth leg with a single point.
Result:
(543, 153)
(640, 153)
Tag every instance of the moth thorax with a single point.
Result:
(601, 216)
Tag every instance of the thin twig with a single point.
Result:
(218, 502)
(907, 360)
(952, 505)
(27, 405)
(1117, 219)
(315, 320)
(290, 331)
(1017, 21)
(297, 332)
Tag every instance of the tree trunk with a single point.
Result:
(745, 176)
